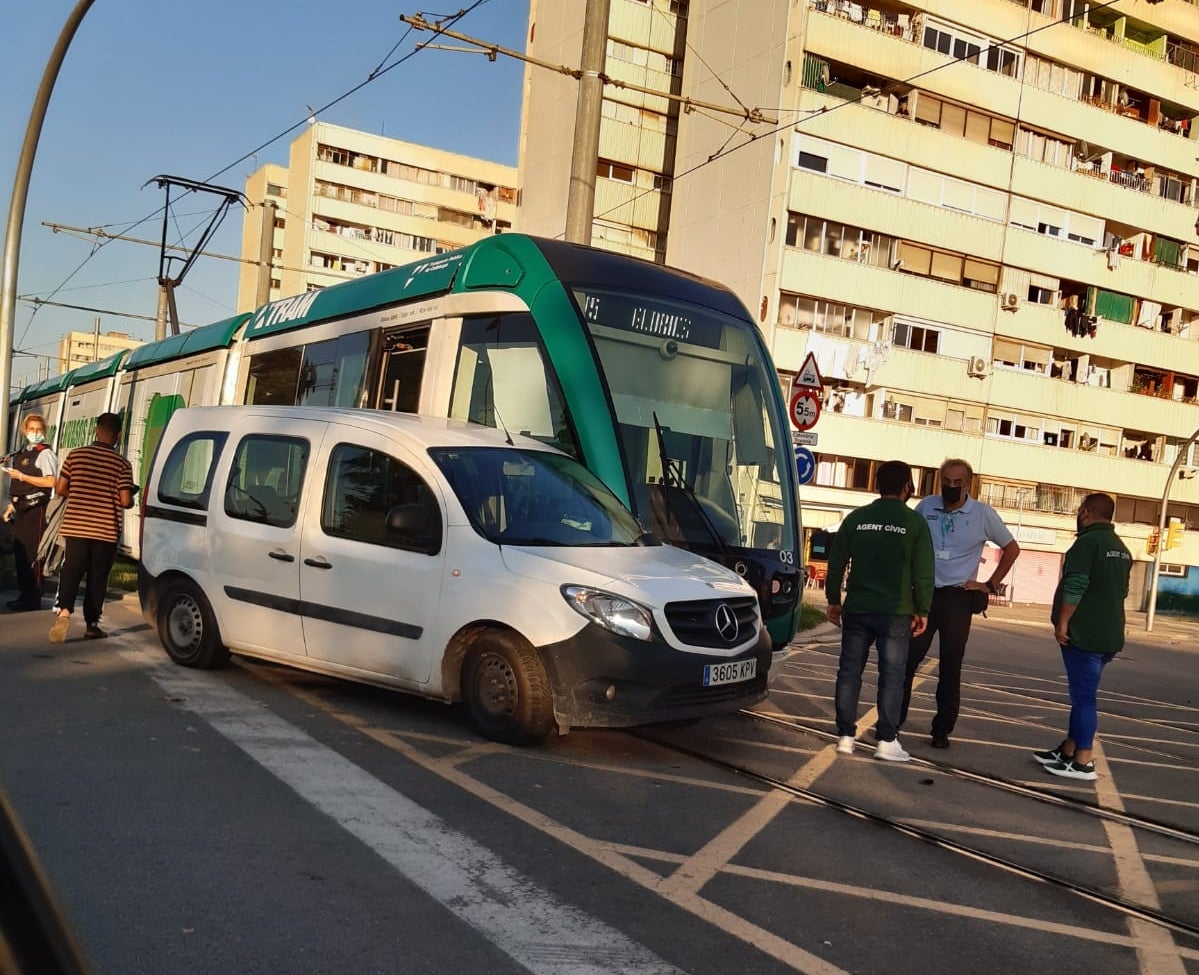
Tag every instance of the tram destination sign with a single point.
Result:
(655, 317)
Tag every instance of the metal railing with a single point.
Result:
(1054, 499)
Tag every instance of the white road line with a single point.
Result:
(1157, 951)
(546, 935)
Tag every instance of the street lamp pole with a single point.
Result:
(16, 210)
(1161, 531)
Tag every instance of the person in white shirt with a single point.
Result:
(960, 526)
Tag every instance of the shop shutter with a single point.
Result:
(1033, 578)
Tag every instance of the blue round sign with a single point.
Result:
(805, 464)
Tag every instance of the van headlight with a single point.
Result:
(615, 613)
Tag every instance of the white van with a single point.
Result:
(440, 558)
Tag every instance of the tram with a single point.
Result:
(655, 379)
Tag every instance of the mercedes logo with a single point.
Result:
(726, 623)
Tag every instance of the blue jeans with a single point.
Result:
(890, 636)
(1083, 671)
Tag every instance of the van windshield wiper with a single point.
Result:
(672, 478)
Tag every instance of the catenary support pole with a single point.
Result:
(16, 209)
(266, 252)
(1155, 572)
(580, 199)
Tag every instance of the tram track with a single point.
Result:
(1108, 711)
(1094, 895)
(1017, 788)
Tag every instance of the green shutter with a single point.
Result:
(1167, 252)
(1114, 307)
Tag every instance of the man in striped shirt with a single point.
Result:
(98, 485)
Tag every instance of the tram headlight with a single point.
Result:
(621, 616)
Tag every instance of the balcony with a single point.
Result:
(1028, 392)
(905, 25)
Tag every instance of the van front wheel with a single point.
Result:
(506, 690)
(188, 629)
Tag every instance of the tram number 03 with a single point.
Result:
(730, 673)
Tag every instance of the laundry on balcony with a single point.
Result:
(1080, 324)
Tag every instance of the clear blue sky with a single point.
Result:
(186, 88)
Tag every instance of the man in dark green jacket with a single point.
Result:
(1088, 621)
(889, 552)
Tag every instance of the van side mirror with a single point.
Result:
(407, 519)
(414, 526)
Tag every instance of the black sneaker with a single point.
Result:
(939, 741)
(1070, 769)
(1054, 754)
(93, 632)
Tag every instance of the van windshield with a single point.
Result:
(529, 497)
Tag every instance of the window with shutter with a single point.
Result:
(928, 110)
(948, 267)
(953, 119)
(916, 259)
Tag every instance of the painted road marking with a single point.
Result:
(546, 935)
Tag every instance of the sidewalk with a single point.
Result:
(1170, 630)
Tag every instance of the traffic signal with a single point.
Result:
(1174, 534)
(1151, 543)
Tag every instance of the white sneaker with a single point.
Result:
(845, 745)
(891, 751)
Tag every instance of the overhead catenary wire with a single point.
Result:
(822, 112)
(381, 69)
(755, 115)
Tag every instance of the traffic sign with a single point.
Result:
(808, 374)
(805, 464)
(807, 438)
(805, 408)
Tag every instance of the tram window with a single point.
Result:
(333, 371)
(403, 369)
(274, 377)
(502, 379)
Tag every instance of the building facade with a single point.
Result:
(351, 203)
(79, 348)
(980, 218)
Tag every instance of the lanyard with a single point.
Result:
(947, 520)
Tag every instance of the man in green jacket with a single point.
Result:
(889, 552)
(1088, 621)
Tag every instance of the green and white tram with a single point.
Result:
(656, 380)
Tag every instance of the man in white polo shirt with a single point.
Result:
(960, 526)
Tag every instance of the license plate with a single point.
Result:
(730, 673)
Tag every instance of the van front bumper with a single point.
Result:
(601, 680)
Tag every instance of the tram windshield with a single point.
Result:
(697, 420)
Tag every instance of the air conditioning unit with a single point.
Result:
(978, 366)
(1011, 301)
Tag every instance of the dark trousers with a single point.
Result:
(950, 616)
(890, 636)
(90, 557)
(26, 537)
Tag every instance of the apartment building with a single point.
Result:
(980, 218)
(351, 203)
(79, 348)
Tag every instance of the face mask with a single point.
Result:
(35, 438)
(951, 495)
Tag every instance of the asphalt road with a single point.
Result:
(256, 819)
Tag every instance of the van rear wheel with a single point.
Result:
(506, 690)
(187, 627)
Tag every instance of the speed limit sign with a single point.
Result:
(805, 408)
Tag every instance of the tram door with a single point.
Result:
(403, 365)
